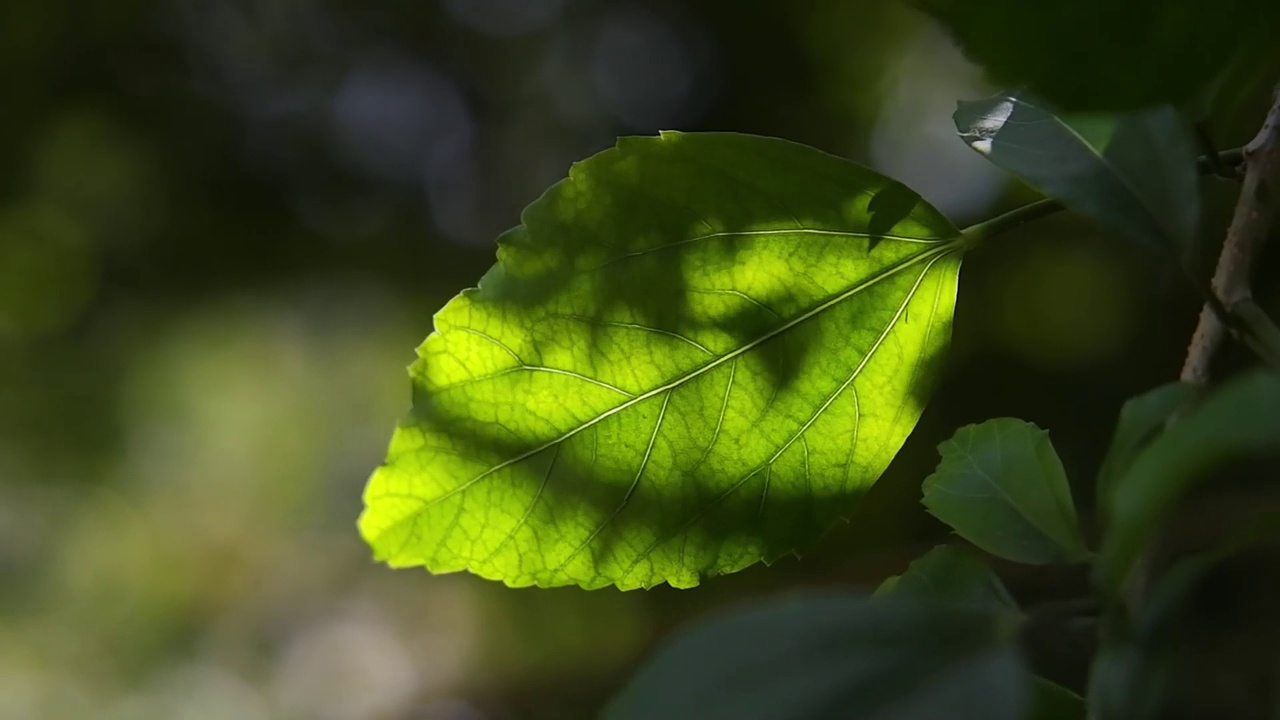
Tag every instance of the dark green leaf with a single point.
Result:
(1126, 682)
(1103, 55)
(1202, 639)
(1133, 174)
(1002, 487)
(1241, 418)
(834, 657)
(1131, 673)
(1141, 419)
(692, 355)
(1050, 701)
(947, 575)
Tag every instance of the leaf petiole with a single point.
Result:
(987, 229)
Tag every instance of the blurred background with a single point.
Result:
(225, 226)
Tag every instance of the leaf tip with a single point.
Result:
(980, 131)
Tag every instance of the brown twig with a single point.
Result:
(1255, 210)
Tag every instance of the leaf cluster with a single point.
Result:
(699, 350)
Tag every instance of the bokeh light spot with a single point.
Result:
(392, 118)
(1062, 304)
(914, 139)
(645, 73)
(96, 169)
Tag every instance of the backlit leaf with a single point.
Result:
(692, 355)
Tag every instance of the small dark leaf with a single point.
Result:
(945, 574)
(834, 657)
(1133, 174)
(1141, 419)
(1002, 487)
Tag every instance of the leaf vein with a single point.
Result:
(768, 233)
(769, 463)
(634, 326)
(635, 482)
(931, 255)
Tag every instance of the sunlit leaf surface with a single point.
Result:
(691, 356)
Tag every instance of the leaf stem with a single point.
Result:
(1225, 165)
(1235, 309)
(975, 234)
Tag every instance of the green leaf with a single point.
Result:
(1001, 486)
(947, 575)
(1142, 666)
(834, 657)
(1126, 682)
(951, 576)
(1240, 418)
(1141, 419)
(692, 355)
(1103, 55)
(1131, 673)
(1134, 174)
(1050, 701)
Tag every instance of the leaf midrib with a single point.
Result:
(799, 434)
(943, 247)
